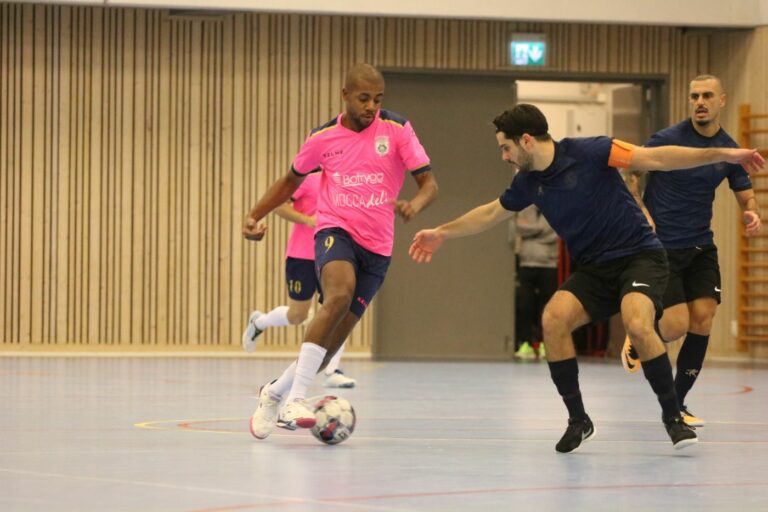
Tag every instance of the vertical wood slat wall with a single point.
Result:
(740, 59)
(753, 250)
(132, 144)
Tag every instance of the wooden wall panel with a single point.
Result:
(132, 143)
(740, 59)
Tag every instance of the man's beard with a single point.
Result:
(525, 165)
(702, 122)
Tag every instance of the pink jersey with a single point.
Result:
(301, 244)
(363, 173)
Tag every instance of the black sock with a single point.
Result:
(658, 372)
(565, 375)
(689, 363)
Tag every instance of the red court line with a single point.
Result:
(468, 492)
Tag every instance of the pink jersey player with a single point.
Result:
(363, 154)
(362, 174)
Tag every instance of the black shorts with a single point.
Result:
(334, 244)
(301, 278)
(601, 286)
(693, 274)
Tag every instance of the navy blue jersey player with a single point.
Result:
(680, 204)
(622, 265)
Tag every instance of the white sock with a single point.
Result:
(278, 317)
(333, 365)
(281, 386)
(310, 358)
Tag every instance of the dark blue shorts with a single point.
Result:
(301, 278)
(334, 244)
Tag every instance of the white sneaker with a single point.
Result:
(296, 414)
(338, 380)
(263, 420)
(251, 333)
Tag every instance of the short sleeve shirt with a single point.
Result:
(582, 196)
(362, 174)
(680, 202)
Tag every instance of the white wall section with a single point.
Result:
(695, 13)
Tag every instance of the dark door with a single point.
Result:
(460, 306)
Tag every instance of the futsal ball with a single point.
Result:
(335, 420)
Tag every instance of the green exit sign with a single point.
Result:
(528, 53)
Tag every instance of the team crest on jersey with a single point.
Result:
(382, 145)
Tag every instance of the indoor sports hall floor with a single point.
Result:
(171, 434)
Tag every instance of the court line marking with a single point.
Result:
(188, 426)
(502, 490)
(281, 499)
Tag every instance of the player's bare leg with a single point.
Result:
(562, 315)
(338, 284)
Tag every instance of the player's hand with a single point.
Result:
(749, 159)
(404, 209)
(424, 245)
(252, 230)
(312, 222)
(752, 222)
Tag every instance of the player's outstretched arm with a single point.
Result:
(423, 198)
(280, 191)
(672, 158)
(426, 242)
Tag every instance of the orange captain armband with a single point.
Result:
(621, 154)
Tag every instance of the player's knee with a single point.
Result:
(701, 324)
(639, 329)
(296, 316)
(674, 328)
(554, 323)
(337, 303)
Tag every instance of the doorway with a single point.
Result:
(460, 306)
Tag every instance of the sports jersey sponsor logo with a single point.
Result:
(360, 201)
(355, 180)
(382, 145)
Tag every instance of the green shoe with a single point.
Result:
(525, 351)
(542, 352)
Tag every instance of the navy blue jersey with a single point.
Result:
(680, 202)
(585, 201)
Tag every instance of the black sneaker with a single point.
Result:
(681, 434)
(578, 431)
